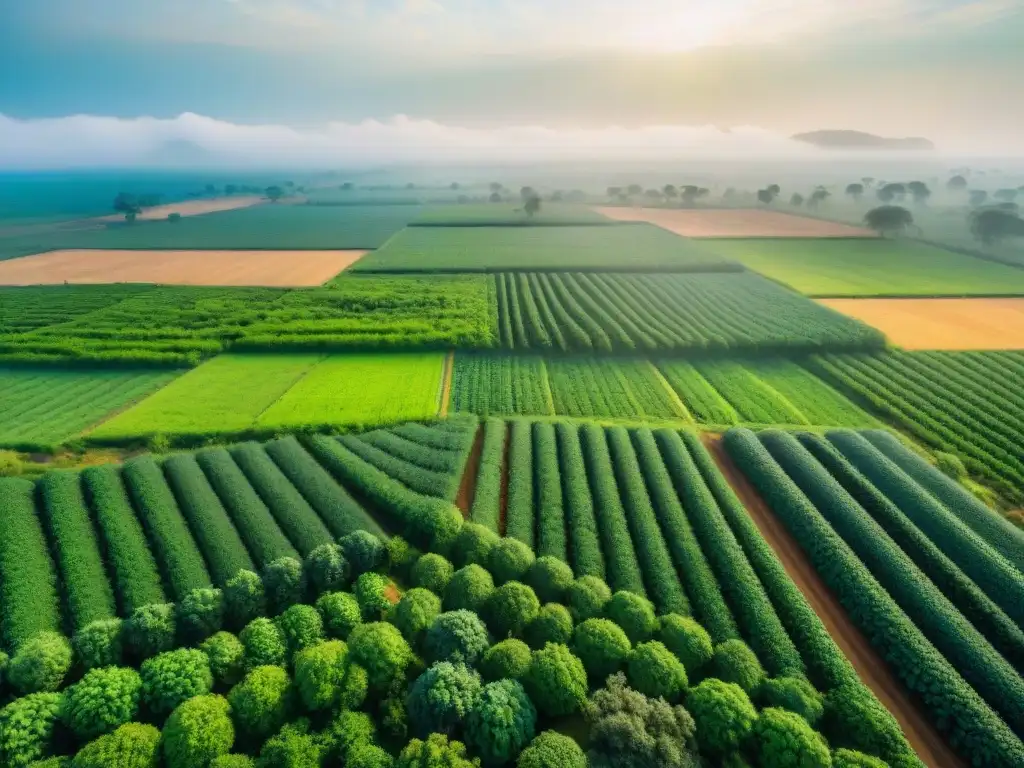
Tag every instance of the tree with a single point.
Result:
(587, 597)
(614, 192)
(101, 701)
(634, 189)
(817, 197)
(495, 186)
(40, 664)
(468, 589)
(502, 722)
(453, 185)
(327, 569)
(635, 614)
(133, 745)
(262, 702)
(977, 198)
(774, 189)
(284, 582)
(653, 194)
(414, 613)
(956, 183)
(868, 181)
(508, 660)
(509, 560)
(29, 727)
(1006, 195)
(557, 680)
(688, 640)
(723, 713)
(552, 750)
(602, 646)
(174, 218)
(274, 193)
(99, 643)
(199, 730)
(550, 578)
(127, 204)
(495, 197)
(381, 650)
(889, 219)
(552, 624)
(364, 552)
(670, 191)
(435, 752)
(173, 677)
(919, 191)
(992, 225)
(856, 191)
(793, 694)
(230, 189)
(227, 657)
(301, 626)
(433, 572)
(655, 671)
(765, 196)
(510, 608)
(458, 636)
(340, 612)
(796, 200)
(264, 643)
(441, 698)
(783, 739)
(525, 193)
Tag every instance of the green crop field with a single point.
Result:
(870, 267)
(509, 215)
(609, 388)
(485, 383)
(478, 249)
(46, 406)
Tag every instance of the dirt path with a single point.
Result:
(446, 384)
(871, 667)
(503, 504)
(467, 488)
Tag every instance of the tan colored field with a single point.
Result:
(285, 269)
(941, 324)
(734, 223)
(192, 208)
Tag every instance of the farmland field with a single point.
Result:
(753, 223)
(244, 268)
(490, 249)
(609, 388)
(500, 384)
(508, 215)
(46, 406)
(870, 267)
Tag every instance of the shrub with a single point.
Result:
(723, 714)
(197, 731)
(101, 701)
(557, 681)
(457, 636)
(369, 756)
(510, 608)
(507, 660)
(40, 664)
(474, 544)
(291, 747)
(174, 676)
(354, 687)
(98, 644)
(319, 671)
(509, 560)
(28, 728)
(552, 624)
(346, 731)
(794, 694)
(151, 629)
(734, 662)
(364, 552)
(655, 671)
(403, 556)
(435, 752)
(380, 649)
(468, 589)
(587, 597)
(552, 750)
(785, 740)
(301, 627)
(635, 614)
(432, 572)
(550, 578)
(848, 758)
(340, 612)
(232, 761)
(602, 646)
(227, 657)
(262, 702)
(244, 598)
(201, 614)
(371, 594)
(133, 745)
(502, 721)
(688, 640)
(327, 569)
(854, 718)
(264, 643)
(441, 697)
(284, 584)
(414, 613)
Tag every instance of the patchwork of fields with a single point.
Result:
(508, 215)
(723, 222)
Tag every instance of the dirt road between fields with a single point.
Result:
(926, 741)
(722, 222)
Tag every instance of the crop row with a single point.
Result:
(499, 384)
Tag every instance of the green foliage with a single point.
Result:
(509, 560)
(587, 597)
(734, 662)
(227, 657)
(201, 614)
(584, 540)
(435, 752)
(101, 701)
(550, 578)
(848, 758)
(319, 671)
(264, 643)
(456, 636)
(508, 660)
(133, 745)
(950, 465)
(244, 598)
(785, 740)
(432, 572)
(414, 613)
(354, 687)
(688, 640)
(857, 720)
(519, 503)
(291, 747)
(262, 702)
(340, 612)
(793, 694)
(468, 589)
(723, 714)
(552, 750)
(151, 629)
(510, 608)
(552, 624)
(284, 583)
(602, 646)
(403, 556)
(369, 756)
(475, 542)
(502, 722)
(28, 728)
(364, 552)
(382, 651)
(232, 761)
(348, 730)
(634, 614)
(552, 541)
(327, 569)
(40, 664)
(99, 644)
(441, 698)
(655, 671)
(197, 731)
(557, 681)
(301, 627)
(174, 676)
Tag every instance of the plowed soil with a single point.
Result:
(734, 223)
(284, 269)
(467, 488)
(870, 666)
(941, 324)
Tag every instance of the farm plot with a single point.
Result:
(941, 324)
(960, 403)
(500, 384)
(508, 215)
(242, 268)
(871, 267)
(610, 388)
(715, 223)
(490, 249)
(646, 313)
(45, 407)
(933, 598)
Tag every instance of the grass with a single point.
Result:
(41, 407)
(626, 247)
(508, 215)
(870, 267)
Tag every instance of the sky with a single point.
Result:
(611, 69)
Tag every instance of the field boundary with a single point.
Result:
(677, 401)
(467, 484)
(445, 393)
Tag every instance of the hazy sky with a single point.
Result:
(946, 69)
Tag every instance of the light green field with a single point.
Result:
(870, 267)
(509, 214)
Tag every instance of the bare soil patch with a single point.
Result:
(690, 222)
(192, 208)
(284, 269)
(941, 324)
(926, 741)
(467, 488)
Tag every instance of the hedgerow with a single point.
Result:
(550, 514)
(519, 513)
(486, 509)
(443, 485)
(584, 539)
